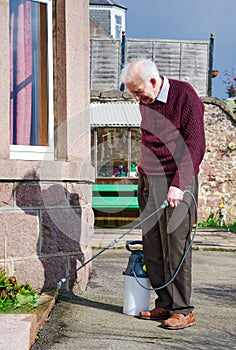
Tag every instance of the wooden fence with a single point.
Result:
(178, 59)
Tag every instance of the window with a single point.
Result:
(115, 151)
(31, 97)
(118, 26)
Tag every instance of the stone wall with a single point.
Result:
(218, 170)
(45, 230)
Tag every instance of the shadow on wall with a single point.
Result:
(59, 217)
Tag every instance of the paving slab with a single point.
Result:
(16, 331)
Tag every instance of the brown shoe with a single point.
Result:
(155, 314)
(179, 321)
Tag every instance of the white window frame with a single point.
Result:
(117, 12)
(42, 152)
(118, 27)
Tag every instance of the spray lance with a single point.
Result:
(164, 205)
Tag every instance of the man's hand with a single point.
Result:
(174, 196)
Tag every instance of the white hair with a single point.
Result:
(143, 68)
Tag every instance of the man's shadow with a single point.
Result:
(59, 213)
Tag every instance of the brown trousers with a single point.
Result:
(166, 236)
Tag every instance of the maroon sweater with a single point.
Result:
(173, 139)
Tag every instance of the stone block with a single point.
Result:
(6, 194)
(54, 195)
(28, 195)
(21, 231)
(83, 274)
(83, 192)
(87, 228)
(55, 268)
(42, 273)
(17, 331)
(30, 270)
(61, 230)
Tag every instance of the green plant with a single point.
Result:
(14, 296)
(212, 220)
(219, 219)
(231, 103)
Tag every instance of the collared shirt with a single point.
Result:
(163, 95)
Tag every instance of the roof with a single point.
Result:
(106, 3)
(115, 115)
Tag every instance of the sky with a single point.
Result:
(189, 20)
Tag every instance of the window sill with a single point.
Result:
(17, 170)
(31, 152)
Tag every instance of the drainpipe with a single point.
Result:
(122, 86)
(95, 151)
(129, 151)
(210, 67)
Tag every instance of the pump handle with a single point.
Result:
(130, 243)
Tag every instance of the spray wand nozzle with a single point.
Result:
(165, 204)
(59, 284)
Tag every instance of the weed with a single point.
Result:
(14, 296)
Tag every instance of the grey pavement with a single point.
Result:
(94, 319)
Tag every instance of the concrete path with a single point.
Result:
(93, 319)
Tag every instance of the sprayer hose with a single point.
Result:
(183, 257)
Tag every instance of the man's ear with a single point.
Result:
(153, 82)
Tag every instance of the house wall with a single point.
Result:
(46, 219)
(96, 31)
(103, 17)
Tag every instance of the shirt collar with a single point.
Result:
(163, 95)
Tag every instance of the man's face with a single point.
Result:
(144, 92)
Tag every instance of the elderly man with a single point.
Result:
(172, 148)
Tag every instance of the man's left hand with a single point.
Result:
(174, 196)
